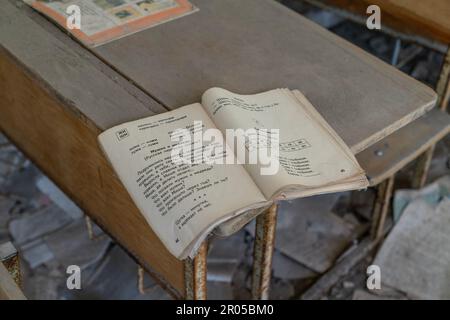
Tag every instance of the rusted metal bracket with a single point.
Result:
(263, 252)
(10, 259)
(195, 275)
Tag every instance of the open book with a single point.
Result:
(184, 202)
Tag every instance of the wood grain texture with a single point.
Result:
(81, 79)
(320, 237)
(341, 269)
(257, 45)
(265, 230)
(415, 256)
(388, 156)
(54, 101)
(430, 18)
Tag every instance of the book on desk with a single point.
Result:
(187, 187)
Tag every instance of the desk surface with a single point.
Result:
(56, 96)
(430, 18)
(256, 45)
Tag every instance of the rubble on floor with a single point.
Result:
(286, 268)
(361, 294)
(415, 257)
(115, 278)
(309, 233)
(431, 194)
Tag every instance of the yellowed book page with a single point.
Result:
(309, 155)
(181, 202)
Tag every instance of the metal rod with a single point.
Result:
(263, 253)
(195, 275)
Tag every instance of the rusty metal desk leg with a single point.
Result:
(381, 207)
(10, 259)
(263, 252)
(443, 91)
(195, 275)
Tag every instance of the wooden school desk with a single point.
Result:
(56, 96)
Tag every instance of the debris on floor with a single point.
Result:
(431, 194)
(50, 233)
(47, 187)
(286, 268)
(309, 233)
(115, 278)
(36, 253)
(415, 258)
(31, 226)
(74, 238)
(364, 295)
